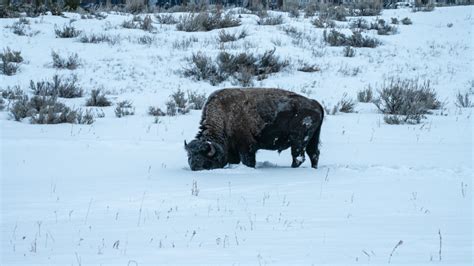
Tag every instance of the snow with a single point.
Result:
(120, 191)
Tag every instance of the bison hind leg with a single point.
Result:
(248, 159)
(312, 148)
(297, 152)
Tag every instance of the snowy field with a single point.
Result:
(120, 191)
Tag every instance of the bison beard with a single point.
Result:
(236, 123)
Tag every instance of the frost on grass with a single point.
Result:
(406, 101)
(10, 61)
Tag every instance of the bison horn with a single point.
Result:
(212, 151)
(185, 144)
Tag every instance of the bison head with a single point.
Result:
(204, 155)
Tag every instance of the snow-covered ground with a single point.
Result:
(120, 192)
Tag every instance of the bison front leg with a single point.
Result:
(297, 152)
(248, 158)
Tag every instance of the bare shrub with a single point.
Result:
(271, 20)
(98, 38)
(406, 21)
(360, 24)
(242, 67)
(310, 10)
(10, 61)
(67, 31)
(184, 43)
(365, 8)
(124, 108)
(20, 108)
(229, 37)
(335, 38)
(12, 93)
(130, 24)
(98, 98)
(293, 32)
(365, 95)
(196, 100)
(292, 8)
(309, 68)
(86, 118)
(145, 39)
(137, 22)
(383, 28)
(348, 52)
(330, 110)
(205, 21)
(338, 13)
(346, 105)
(147, 24)
(47, 110)
(203, 68)
(71, 62)
(406, 101)
(179, 98)
(166, 19)
(155, 111)
(463, 100)
(322, 22)
(19, 28)
(246, 65)
(58, 87)
(178, 104)
(43, 110)
(135, 6)
(171, 108)
(419, 6)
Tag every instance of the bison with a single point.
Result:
(236, 123)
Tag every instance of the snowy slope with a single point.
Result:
(120, 192)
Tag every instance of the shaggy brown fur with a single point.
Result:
(238, 122)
